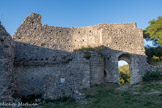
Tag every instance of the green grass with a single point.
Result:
(110, 96)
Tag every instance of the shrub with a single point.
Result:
(124, 74)
(152, 76)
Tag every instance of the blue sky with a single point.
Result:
(72, 13)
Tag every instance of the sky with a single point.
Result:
(74, 13)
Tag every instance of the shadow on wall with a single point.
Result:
(56, 73)
(53, 73)
(31, 55)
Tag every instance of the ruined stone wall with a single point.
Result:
(50, 81)
(32, 32)
(6, 64)
(123, 37)
(46, 60)
(89, 36)
(154, 68)
(45, 56)
(137, 64)
(96, 69)
(35, 42)
(59, 79)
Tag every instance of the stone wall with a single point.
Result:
(123, 37)
(97, 69)
(45, 55)
(46, 61)
(59, 79)
(137, 65)
(115, 36)
(154, 68)
(6, 64)
(32, 32)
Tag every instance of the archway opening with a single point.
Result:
(124, 69)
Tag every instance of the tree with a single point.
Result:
(154, 30)
(153, 51)
(149, 52)
(158, 52)
(123, 74)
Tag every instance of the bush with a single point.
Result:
(124, 74)
(152, 76)
(154, 55)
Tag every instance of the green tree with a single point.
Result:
(150, 53)
(124, 74)
(158, 52)
(153, 51)
(154, 30)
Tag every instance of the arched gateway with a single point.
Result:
(135, 76)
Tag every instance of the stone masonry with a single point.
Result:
(57, 61)
(6, 64)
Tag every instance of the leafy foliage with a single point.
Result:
(124, 74)
(154, 30)
(154, 52)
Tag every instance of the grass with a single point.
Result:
(111, 96)
(150, 87)
(59, 103)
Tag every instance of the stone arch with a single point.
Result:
(127, 58)
(131, 59)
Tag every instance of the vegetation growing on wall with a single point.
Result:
(89, 48)
(98, 49)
